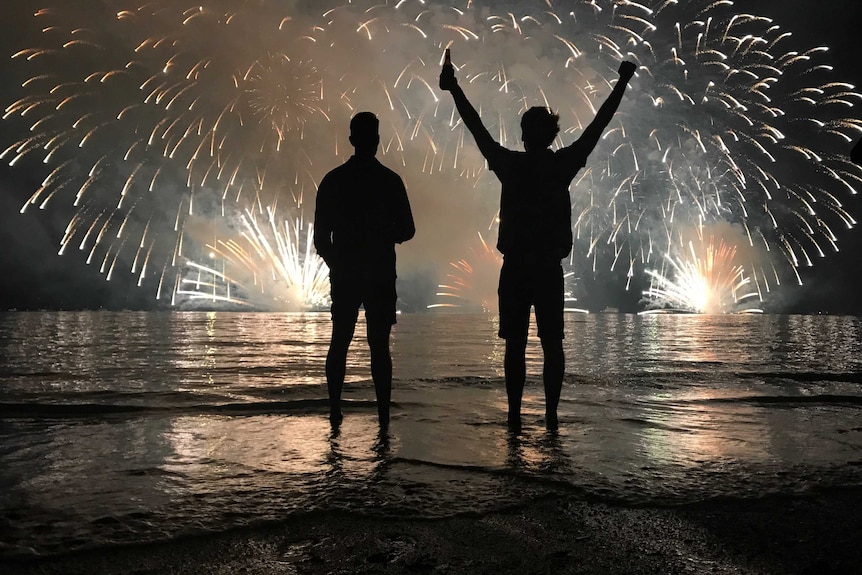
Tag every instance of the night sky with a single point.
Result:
(33, 276)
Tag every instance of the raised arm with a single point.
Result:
(594, 131)
(468, 113)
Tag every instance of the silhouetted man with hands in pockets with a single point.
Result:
(362, 211)
(535, 232)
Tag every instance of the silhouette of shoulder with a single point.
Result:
(536, 167)
(356, 172)
(362, 203)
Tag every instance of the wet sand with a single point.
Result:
(816, 533)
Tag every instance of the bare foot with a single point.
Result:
(513, 422)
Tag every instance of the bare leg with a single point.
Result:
(515, 368)
(381, 369)
(552, 374)
(336, 366)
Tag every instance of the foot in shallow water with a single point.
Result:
(383, 415)
(552, 423)
(513, 423)
(335, 418)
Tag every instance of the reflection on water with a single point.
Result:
(203, 445)
(540, 454)
(183, 421)
(691, 429)
(631, 343)
(86, 351)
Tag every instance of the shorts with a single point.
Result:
(526, 284)
(375, 293)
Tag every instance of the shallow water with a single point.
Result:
(136, 426)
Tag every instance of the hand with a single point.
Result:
(627, 70)
(448, 81)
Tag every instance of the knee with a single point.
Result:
(378, 335)
(379, 348)
(552, 343)
(380, 354)
(552, 348)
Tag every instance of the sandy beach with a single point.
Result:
(814, 533)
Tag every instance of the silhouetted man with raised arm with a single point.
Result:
(535, 232)
(362, 211)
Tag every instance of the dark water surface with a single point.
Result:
(135, 426)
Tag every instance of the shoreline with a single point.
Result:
(817, 532)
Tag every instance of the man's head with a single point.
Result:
(539, 127)
(364, 133)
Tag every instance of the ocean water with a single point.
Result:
(120, 427)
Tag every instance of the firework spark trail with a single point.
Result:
(760, 138)
(270, 266)
(472, 283)
(706, 278)
(168, 123)
(725, 123)
(186, 127)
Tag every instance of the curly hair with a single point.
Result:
(539, 127)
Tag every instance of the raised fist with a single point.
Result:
(627, 70)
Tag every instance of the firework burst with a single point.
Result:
(734, 125)
(471, 284)
(270, 265)
(706, 278)
(169, 126)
